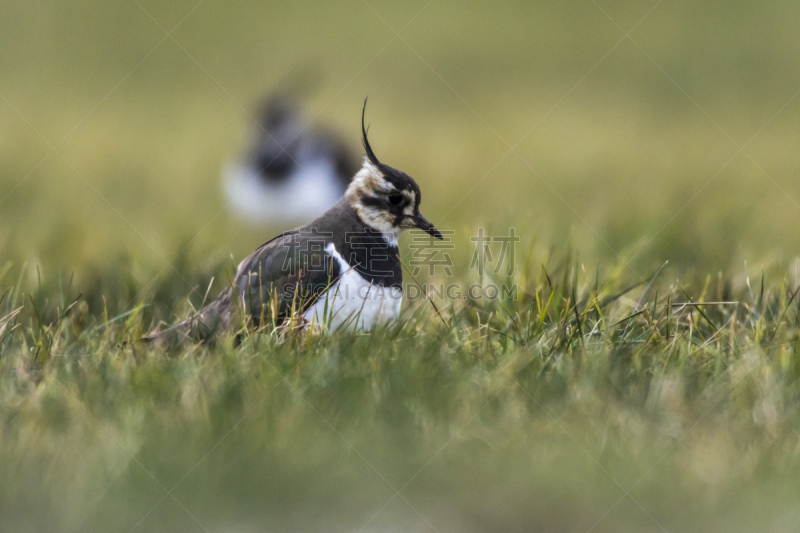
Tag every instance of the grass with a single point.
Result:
(645, 379)
(607, 145)
(582, 404)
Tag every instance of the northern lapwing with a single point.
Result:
(340, 271)
(292, 172)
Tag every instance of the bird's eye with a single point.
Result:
(395, 199)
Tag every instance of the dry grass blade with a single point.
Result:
(9, 319)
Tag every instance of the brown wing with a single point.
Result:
(291, 270)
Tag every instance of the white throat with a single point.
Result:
(392, 238)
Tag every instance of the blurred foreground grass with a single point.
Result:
(584, 404)
(677, 143)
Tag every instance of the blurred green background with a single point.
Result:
(641, 132)
(622, 144)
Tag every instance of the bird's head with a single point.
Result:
(386, 199)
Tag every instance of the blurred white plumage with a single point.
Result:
(293, 170)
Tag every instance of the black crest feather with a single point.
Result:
(370, 154)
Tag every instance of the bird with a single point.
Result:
(292, 171)
(340, 271)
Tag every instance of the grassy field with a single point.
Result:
(572, 408)
(644, 378)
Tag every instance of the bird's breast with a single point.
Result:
(353, 301)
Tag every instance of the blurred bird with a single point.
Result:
(340, 271)
(292, 171)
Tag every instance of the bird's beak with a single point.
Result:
(427, 227)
